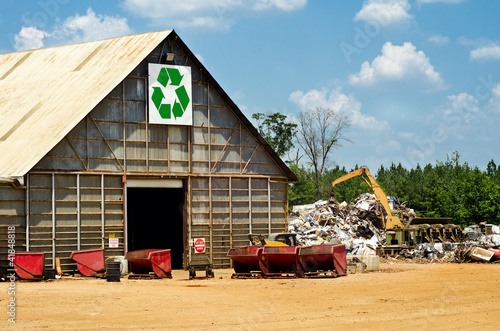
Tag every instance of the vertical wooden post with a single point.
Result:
(53, 221)
(78, 213)
(27, 208)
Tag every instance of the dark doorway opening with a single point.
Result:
(155, 220)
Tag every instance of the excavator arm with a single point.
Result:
(393, 222)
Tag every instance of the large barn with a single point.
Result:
(129, 143)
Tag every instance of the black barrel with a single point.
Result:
(113, 271)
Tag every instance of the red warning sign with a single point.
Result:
(199, 245)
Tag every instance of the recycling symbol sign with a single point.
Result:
(170, 94)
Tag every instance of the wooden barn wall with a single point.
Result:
(235, 186)
(69, 212)
(226, 209)
(12, 223)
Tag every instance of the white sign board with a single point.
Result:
(170, 94)
(114, 242)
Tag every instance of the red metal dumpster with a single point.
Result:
(90, 262)
(30, 265)
(323, 259)
(245, 259)
(144, 261)
(280, 261)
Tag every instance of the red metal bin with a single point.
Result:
(323, 258)
(90, 262)
(144, 261)
(29, 265)
(280, 260)
(245, 259)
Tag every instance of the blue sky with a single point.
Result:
(419, 79)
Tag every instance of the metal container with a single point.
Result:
(151, 260)
(90, 262)
(245, 259)
(280, 260)
(323, 258)
(30, 265)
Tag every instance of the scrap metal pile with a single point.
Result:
(358, 225)
(478, 244)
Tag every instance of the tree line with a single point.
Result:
(448, 188)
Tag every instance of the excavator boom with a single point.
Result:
(393, 222)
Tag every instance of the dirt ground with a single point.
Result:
(398, 297)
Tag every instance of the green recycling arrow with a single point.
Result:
(173, 76)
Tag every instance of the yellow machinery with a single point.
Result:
(392, 222)
(274, 239)
(418, 230)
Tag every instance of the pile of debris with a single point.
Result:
(358, 225)
(482, 243)
(441, 252)
(468, 251)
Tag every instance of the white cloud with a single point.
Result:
(462, 102)
(490, 52)
(286, 5)
(74, 29)
(454, 118)
(29, 38)
(216, 14)
(439, 40)
(338, 102)
(384, 12)
(399, 67)
(91, 27)
(443, 1)
(494, 103)
(388, 145)
(451, 126)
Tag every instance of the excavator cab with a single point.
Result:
(289, 239)
(274, 239)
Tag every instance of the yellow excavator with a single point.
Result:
(392, 222)
(417, 230)
(274, 239)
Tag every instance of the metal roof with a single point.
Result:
(47, 92)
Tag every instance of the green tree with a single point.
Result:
(302, 191)
(277, 131)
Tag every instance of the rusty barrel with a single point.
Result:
(323, 258)
(90, 262)
(280, 260)
(151, 260)
(29, 265)
(245, 259)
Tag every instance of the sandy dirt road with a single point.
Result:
(401, 296)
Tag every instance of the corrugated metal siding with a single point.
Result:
(13, 217)
(67, 213)
(225, 210)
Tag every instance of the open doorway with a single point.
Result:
(155, 220)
